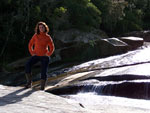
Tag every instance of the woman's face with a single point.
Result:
(41, 28)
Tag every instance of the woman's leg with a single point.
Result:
(33, 60)
(44, 64)
(28, 66)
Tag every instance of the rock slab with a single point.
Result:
(19, 100)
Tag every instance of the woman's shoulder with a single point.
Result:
(47, 35)
(35, 34)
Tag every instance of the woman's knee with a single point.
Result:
(43, 76)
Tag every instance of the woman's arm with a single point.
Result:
(31, 45)
(51, 47)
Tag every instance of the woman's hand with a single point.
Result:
(46, 55)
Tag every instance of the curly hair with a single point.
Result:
(37, 27)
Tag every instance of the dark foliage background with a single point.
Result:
(18, 19)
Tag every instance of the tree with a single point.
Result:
(83, 14)
(112, 12)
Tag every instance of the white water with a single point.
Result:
(132, 57)
(94, 100)
(140, 55)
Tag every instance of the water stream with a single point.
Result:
(129, 77)
(94, 101)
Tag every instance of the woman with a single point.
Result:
(40, 46)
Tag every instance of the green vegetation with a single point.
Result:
(18, 19)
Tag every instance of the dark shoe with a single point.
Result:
(43, 82)
(28, 85)
(29, 81)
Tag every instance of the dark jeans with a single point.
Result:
(44, 65)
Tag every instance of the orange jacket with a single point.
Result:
(41, 45)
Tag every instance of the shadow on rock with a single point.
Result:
(15, 96)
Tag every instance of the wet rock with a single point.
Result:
(112, 104)
(134, 42)
(143, 34)
(112, 46)
(138, 89)
(132, 89)
(113, 76)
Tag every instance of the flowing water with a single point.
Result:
(94, 101)
(126, 75)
